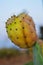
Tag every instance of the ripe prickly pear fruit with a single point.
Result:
(20, 32)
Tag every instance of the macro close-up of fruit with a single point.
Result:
(21, 30)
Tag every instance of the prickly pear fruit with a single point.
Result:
(20, 31)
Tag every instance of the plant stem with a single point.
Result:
(37, 57)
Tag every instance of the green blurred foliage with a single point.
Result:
(29, 63)
(9, 52)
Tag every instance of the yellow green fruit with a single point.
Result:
(20, 32)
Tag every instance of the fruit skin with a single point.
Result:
(20, 31)
(24, 16)
(30, 23)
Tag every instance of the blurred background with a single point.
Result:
(11, 7)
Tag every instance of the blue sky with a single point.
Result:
(11, 7)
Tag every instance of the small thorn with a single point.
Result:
(6, 22)
(17, 37)
(10, 29)
(30, 20)
(31, 31)
(14, 22)
(24, 36)
(23, 17)
(23, 27)
(16, 29)
(20, 21)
